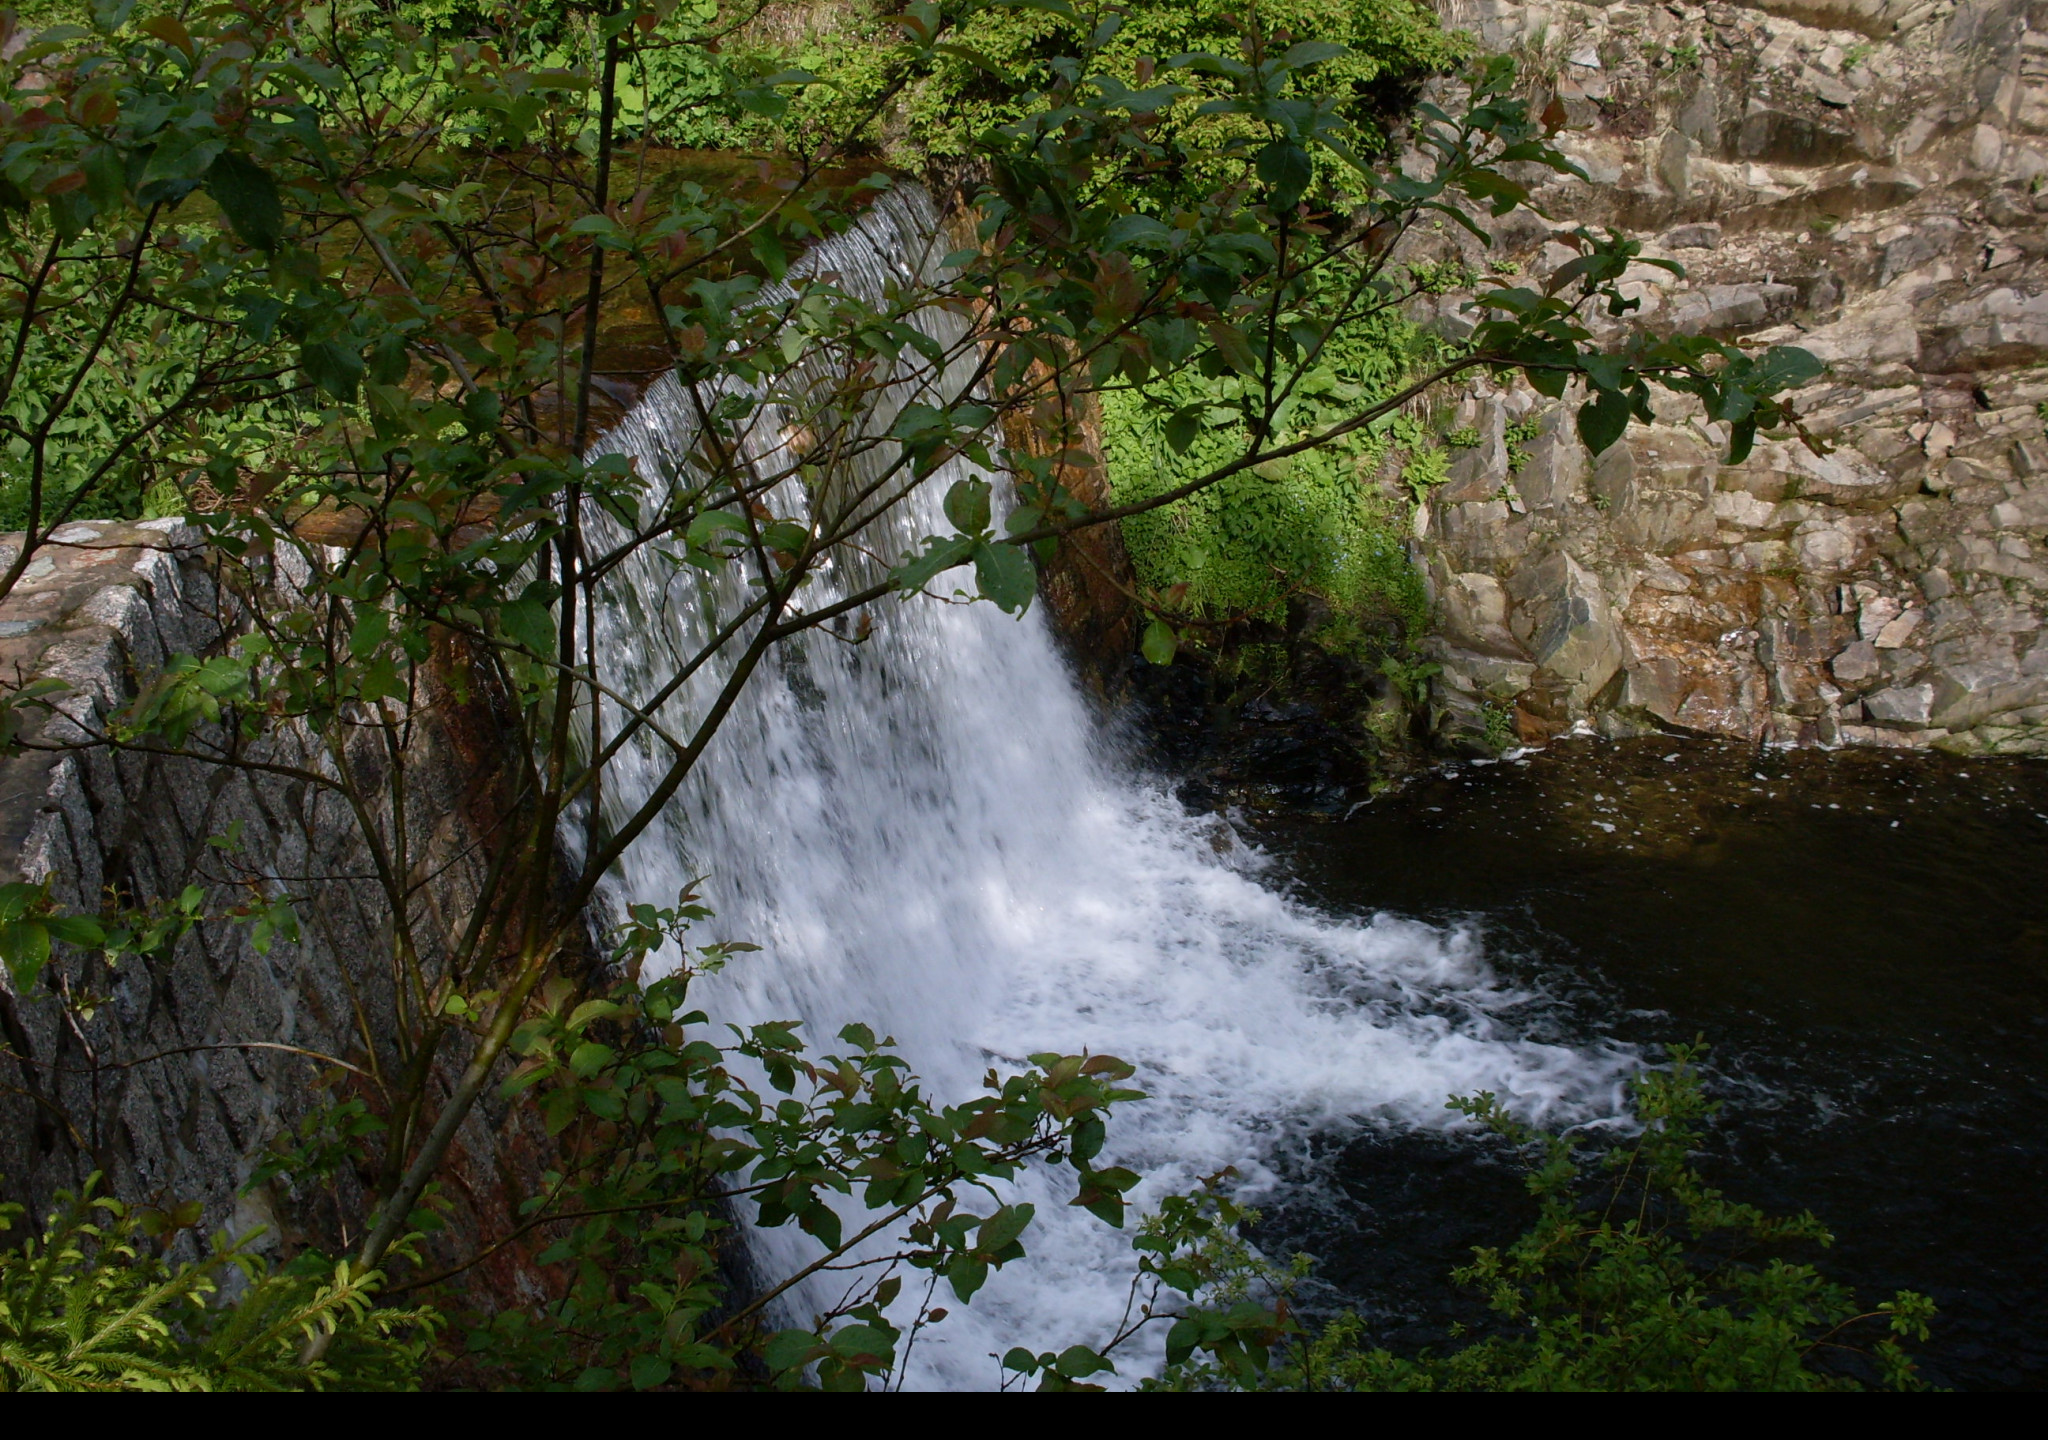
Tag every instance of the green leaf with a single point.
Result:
(1005, 575)
(763, 101)
(1182, 427)
(25, 950)
(939, 555)
(259, 314)
(332, 367)
(1078, 1360)
(822, 1221)
(70, 214)
(248, 197)
(785, 537)
(1304, 53)
(787, 1349)
(768, 248)
(372, 629)
(1235, 349)
(106, 178)
(1741, 440)
(967, 1275)
(80, 930)
(1787, 367)
(975, 58)
(529, 623)
(591, 1010)
(1004, 1226)
(648, 1371)
(706, 529)
(1607, 372)
(1286, 167)
(1160, 643)
(868, 1344)
(389, 360)
(590, 1057)
(1603, 419)
(967, 505)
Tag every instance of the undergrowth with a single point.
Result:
(1634, 1275)
(93, 1303)
(1004, 55)
(1318, 524)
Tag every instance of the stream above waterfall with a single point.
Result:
(1861, 936)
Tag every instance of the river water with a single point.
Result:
(1862, 937)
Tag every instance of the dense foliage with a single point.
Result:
(334, 281)
(1003, 57)
(1635, 1275)
(94, 1304)
(664, 1133)
(1317, 524)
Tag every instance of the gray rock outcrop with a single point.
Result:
(1863, 178)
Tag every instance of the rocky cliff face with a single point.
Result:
(1867, 179)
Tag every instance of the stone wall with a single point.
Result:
(1873, 193)
(189, 1065)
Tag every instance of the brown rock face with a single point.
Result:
(1088, 584)
(1863, 178)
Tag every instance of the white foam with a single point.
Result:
(927, 834)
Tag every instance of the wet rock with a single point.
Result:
(1674, 163)
(1473, 607)
(1898, 632)
(1482, 530)
(1730, 309)
(1856, 665)
(1828, 90)
(1968, 693)
(1554, 466)
(1901, 705)
(1564, 622)
(111, 605)
(1779, 135)
(2027, 511)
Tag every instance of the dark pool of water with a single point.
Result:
(1862, 937)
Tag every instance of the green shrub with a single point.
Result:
(1004, 55)
(94, 1305)
(676, 90)
(1636, 1275)
(144, 366)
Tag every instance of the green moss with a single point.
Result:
(1319, 524)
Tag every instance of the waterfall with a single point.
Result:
(929, 832)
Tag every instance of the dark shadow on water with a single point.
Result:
(1862, 937)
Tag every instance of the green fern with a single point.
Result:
(90, 1305)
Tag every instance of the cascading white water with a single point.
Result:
(928, 832)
